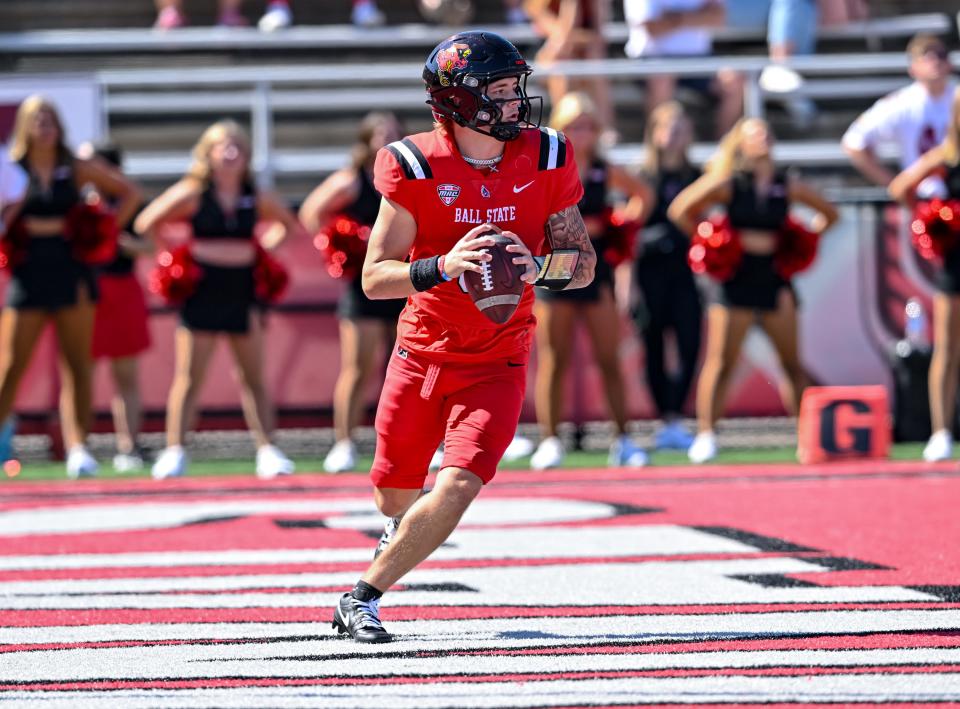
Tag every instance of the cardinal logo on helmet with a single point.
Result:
(451, 59)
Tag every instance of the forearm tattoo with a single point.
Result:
(566, 230)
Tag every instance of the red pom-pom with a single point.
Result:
(343, 244)
(619, 238)
(715, 249)
(13, 245)
(796, 248)
(92, 232)
(935, 228)
(175, 276)
(270, 277)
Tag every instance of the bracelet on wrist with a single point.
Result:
(443, 274)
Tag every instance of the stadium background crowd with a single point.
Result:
(159, 121)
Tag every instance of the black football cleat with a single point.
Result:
(360, 620)
(389, 530)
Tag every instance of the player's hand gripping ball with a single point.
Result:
(496, 290)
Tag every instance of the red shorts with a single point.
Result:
(120, 327)
(472, 407)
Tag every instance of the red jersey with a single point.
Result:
(426, 175)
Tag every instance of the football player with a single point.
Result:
(455, 376)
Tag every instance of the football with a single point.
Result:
(496, 290)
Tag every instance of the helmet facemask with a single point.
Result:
(468, 105)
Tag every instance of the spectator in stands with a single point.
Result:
(573, 29)
(791, 27)
(120, 329)
(681, 28)
(514, 13)
(365, 13)
(218, 197)
(915, 118)
(757, 196)
(558, 312)
(365, 325)
(945, 363)
(277, 15)
(51, 283)
(669, 299)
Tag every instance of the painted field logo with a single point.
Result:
(448, 193)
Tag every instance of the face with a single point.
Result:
(672, 132)
(583, 132)
(227, 156)
(756, 139)
(386, 132)
(43, 129)
(932, 65)
(507, 93)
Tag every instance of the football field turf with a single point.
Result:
(735, 584)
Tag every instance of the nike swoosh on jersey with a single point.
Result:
(517, 190)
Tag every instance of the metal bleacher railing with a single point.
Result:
(268, 90)
(264, 91)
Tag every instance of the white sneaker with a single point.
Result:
(520, 447)
(939, 447)
(625, 453)
(341, 458)
(437, 460)
(277, 17)
(549, 454)
(367, 14)
(271, 462)
(778, 79)
(80, 464)
(127, 463)
(172, 463)
(703, 448)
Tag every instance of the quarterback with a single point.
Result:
(456, 377)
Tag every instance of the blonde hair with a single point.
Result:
(27, 112)
(951, 141)
(201, 169)
(729, 156)
(669, 110)
(571, 107)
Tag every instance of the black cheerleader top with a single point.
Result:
(748, 211)
(210, 221)
(660, 235)
(56, 201)
(952, 181)
(367, 204)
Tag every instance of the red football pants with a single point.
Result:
(472, 407)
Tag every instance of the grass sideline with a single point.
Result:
(574, 459)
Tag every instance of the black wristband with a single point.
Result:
(425, 273)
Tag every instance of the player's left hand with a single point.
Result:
(523, 258)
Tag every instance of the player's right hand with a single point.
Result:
(468, 252)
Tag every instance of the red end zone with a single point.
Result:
(729, 585)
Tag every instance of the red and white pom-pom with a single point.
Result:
(13, 245)
(176, 275)
(796, 248)
(343, 244)
(935, 228)
(619, 237)
(270, 277)
(715, 248)
(92, 232)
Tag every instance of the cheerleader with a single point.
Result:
(743, 179)
(218, 198)
(669, 299)
(558, 312)
(49, 281)
(365, 324)
(942, 378)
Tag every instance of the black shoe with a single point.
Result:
(360, 620)
(389, 530)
